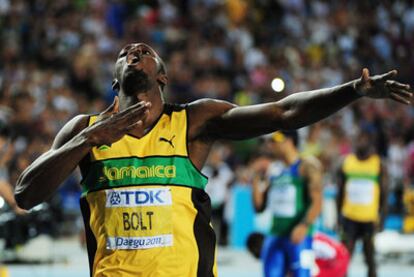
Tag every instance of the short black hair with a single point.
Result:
(291, 134)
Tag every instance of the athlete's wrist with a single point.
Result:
(356, 88)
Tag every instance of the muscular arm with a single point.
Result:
(312, 171)
(259, 193)
(222, 120)
(292, 112)
(41, 179)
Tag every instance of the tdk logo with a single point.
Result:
(115, 198)
(138, 197)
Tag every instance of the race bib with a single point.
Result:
(360, 191)
(138, 218)
(282, 200)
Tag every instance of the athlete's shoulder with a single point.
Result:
(71, 129)
(202, 113)
(311, 160)
(80, 122)
(348, 160)
(376, 157)
(350, 157)
(209, 108)
(310, 163)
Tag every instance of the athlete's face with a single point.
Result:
(363, 145)
(278, 144)
(278, 148)
(138, 69)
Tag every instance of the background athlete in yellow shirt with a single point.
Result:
(139, 80)
(362, 198)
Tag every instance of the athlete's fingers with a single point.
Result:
(137, 124)
(399, 98)
(388, 75)
(395, 84)
(135, 109)
(128, 119)
(113, 108)
(402, 92)
(131, 120)
(365, 75)
(131, 113)
(137, 113)
(139, 105)
(116, 106)
(139, 110)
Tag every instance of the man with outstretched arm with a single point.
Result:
(143, 200)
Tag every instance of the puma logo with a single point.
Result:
(104, 147)
(169, 141)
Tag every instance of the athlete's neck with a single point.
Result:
(290, 156)
(363, 153)
(155, 111)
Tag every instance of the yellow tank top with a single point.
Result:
(145, 209)
(362, 192)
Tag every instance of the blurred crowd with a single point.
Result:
(57, 57)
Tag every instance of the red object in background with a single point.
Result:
(331, 256)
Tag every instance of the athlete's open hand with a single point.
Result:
(298, 233)
(112, 124)
(382, 86)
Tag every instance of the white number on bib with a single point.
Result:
(360, 191)
(282, 200)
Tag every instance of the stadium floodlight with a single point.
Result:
(278, 85)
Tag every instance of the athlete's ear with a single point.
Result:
(162, 79)
(115, 85)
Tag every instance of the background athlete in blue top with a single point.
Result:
(294, 196)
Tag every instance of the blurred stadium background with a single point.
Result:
(56, 61)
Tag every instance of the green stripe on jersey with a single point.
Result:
(356, 175)
(134, 171)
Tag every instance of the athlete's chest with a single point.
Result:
(166, 138)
